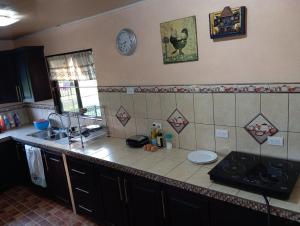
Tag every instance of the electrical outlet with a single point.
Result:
(276, 141)
(222, 133)
(130, 90)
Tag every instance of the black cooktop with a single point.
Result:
(264, 175)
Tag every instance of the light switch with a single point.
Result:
(276, 141)
(222, 133)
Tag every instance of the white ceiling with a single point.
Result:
(42, 14)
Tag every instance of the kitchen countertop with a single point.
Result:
(165, 166)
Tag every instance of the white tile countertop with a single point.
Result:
(168, 165)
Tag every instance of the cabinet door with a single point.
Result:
(144, 202)
(111, 196)
(24, 76)
(56, 177)
(8, 165)
(8, 80)
(183, 208)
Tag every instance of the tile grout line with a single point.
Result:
(194, 121)
(178, 134)
(214, 122)
(260, 113)
(235, 127)
(288, 127)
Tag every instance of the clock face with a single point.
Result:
(126, 42)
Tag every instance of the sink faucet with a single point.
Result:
(53, 118)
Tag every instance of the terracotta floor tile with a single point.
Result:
(19, 206)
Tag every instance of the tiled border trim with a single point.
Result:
(18, 106)
(276, 211)
(11, 107)
(287, 214)
(220, 88)
(39, 106)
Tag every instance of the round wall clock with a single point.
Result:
(126, 42)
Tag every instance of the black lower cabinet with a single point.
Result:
(227, 214)
(56, 177)
(184, 208)
(111, 196)
(144, 202)
(9, 166)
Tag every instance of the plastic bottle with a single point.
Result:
(17, 119)
(6, 122)
(2, 124)
(11, 120)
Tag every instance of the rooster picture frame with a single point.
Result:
(179, 40)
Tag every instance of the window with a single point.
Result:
(73, 78)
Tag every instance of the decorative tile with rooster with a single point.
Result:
(177, 121)
(123, 116)
(260, 128)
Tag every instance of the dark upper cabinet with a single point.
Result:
(184, 208)
(56, 177)
(112, 196)
(8, 78)
(144, 199)
(32, 74)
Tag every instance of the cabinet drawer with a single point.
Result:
(81, 174)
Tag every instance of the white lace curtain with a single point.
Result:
(73, 66)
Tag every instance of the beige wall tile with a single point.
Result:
(118, 129)
(276, 151)
(246, 143)
(141, 126)
(153, 105)
(168, 104)
(205, 137)
(275, 108)
(167, 128)
(114, 103)
(294, 112)
(127, 103)
(187, 137)
(203, 105)
(140, 106)
(185, 104)
(130, 128)
(294, 146)
(247, 107)
(226, 145)
(224, 109)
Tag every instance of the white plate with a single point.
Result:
(202, 157)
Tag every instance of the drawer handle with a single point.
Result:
(120, 189)
(163, 203)
(54, 160)
(81, 190)
(86, 209)
(77, 171)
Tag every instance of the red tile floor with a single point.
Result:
(19, 206)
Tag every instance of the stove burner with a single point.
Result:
(234, 169)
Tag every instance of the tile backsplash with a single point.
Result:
(197, 111)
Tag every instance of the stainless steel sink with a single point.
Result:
(51, 135)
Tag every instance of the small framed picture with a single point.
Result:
(228, 22)
(179, 40)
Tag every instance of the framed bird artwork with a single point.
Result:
(179, 40)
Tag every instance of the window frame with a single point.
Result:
(55, 89)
